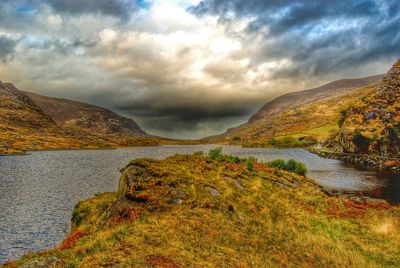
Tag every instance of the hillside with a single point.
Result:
(89, 117)
(33, 122)
(372, 125)
(300, 117)
(191, 211)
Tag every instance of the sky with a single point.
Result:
(192, 68)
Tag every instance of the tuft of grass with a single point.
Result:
(215, 154)
(249, 165)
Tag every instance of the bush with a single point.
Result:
(234, 159)
(360, 141)
(215, 154)
(249, 165)
(278, 163)
(359, 138)
(300, 169)
(291, 165)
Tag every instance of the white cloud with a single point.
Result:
(54, 21)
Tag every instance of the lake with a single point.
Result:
(39, 191)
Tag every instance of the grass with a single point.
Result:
(191, 211)
(313, 122)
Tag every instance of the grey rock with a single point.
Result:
(213, 191)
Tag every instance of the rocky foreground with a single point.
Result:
(192, 211)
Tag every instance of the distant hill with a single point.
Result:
(372, 125)
(32, 122)
(89, 117)
(304, 115)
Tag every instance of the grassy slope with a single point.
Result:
(24, 126)
(164, 215)
(316, 121)
(85, 116)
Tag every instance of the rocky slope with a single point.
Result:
(372, 126)
(305, 116)
(33, 122)
(191, 211)
(93, 118)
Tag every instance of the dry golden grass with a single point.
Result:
(317, 121)
(276, 219)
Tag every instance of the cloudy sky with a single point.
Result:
(191, 68)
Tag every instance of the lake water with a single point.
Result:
(39, 191)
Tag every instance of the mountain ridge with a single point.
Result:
(33, 122)
(291, 114)
(79, 114)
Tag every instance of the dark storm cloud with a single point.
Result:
(7, 47)
(319, 37)
(117, 8)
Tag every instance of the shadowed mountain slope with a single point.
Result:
(33, 122)
(90, 117)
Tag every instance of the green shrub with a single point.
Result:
(396, 129)
(360, 140)
(291, 165)
(233, 159)
(249, 165)
(252, 159)
(216, 154)
(300, 169)
(278, 163)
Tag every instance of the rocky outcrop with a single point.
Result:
(372, 126)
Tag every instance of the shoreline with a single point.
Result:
(369, 161)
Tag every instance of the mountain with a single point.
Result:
(372, 125)
(300, 117)
(32, 122)
(89, 117)
(18, 110)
